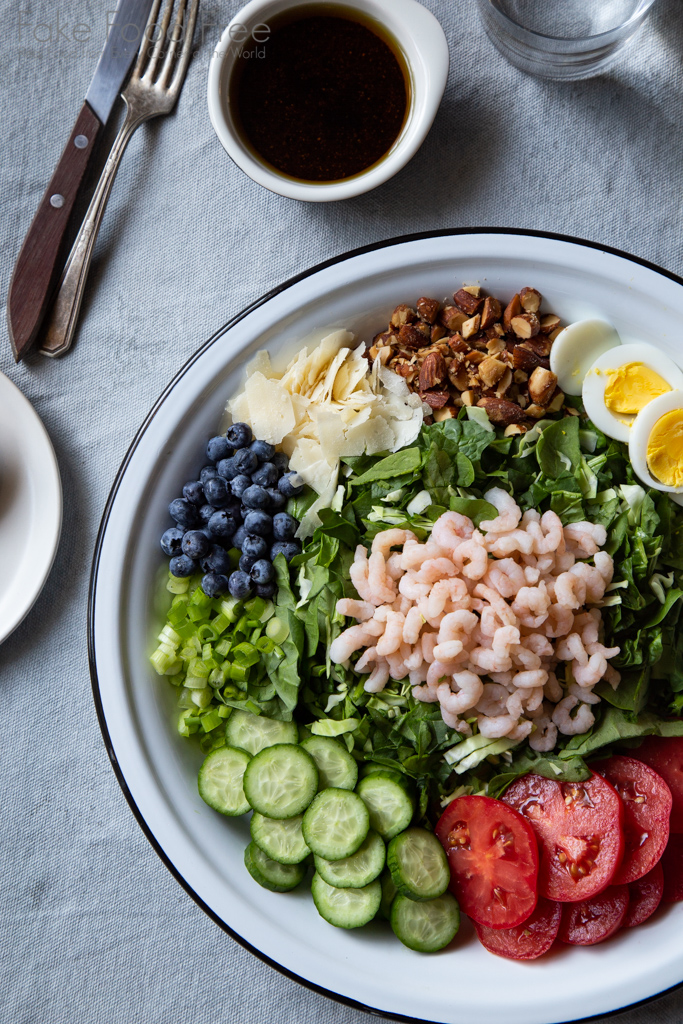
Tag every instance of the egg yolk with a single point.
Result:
(665, 449)
(632, 386)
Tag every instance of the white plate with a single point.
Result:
(30, 506)
(158, 770)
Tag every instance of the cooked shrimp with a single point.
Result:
(392, 638)
(496, 728)
(450, 530)
(470, 689)
(471, 557)
(505, 576)
(435, 569)
(570, 590)
(449, 591)
(509, 512)
(493, 700)
(378, 678)
(352, 639)
(534, 677)
(544, 737)
(414, 554)
(410, 587)
(412, 626)
(581, 722)
(388, 539)
(359, 610)
(585, 538)
(394, 569)
(382, 587)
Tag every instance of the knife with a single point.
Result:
(38, 266)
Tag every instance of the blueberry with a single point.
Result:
(227, 468)
(216, 491)
(171, 542)
(290, 485)
(258, 522)
(239, 484)
(288, 548)
(255, 546)
(284, 526)
(214, 584)
(218, 448)
(221, 525)
(245, 461)
(182, 566)
(196, 544)
(217, 560)
(261, 571)
(207, 473)
(239, 435)
(247, 562)
(277, 500)
(280, 461)
(205, 513)
(265, 590)
(184, 512)
(239, 585)
(238, 539)
(256, 497)
(262, 450)
(266, 475)
(194, 492)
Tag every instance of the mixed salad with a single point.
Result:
(424, 614)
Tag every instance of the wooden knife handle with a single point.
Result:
(38, 266)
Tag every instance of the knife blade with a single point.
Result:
(42, 254)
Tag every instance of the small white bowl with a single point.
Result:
(425, 51)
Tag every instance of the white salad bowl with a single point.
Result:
(424, 48)
(157, 769)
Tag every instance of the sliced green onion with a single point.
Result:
(256, 606)
(238, 673)
(198, 669)
(168, 649)
(200, 599)
(177, 584)
(265, 645)
(242, 624)
(177, 615)
(222, 648)
(231, 608)
(188, 723)
(195, 613)
(160, 662)
(220, 623)
(277, 630)
(211, 721)
(202, 698)
(185, 629)
(245, 654)
(207, 632)
(223, 711)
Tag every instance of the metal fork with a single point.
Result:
(152, 90)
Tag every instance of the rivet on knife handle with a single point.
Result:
(37, 267)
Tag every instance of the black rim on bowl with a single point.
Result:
(92, 593)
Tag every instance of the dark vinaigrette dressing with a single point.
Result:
(326, 100)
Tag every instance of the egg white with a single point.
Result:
(576, 348)
(618, 425)
(640, 435)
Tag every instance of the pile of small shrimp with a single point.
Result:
(479, 619)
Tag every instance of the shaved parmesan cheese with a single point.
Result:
(271, 414)
(328, 404)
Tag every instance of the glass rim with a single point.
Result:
(642, 10)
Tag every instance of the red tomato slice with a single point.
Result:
(493, 857)
(665, 755)
(647, 807)
(672, 865)
(528, 940)
(594, 920)
(645, 895)
(578, 827)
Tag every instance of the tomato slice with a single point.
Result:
(665, 755)
(594, 920)
(647, 807)
(578, 827)
(493, 857)
(528, 940)
(645, 895)
(672, 865)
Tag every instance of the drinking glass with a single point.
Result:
(562, 39)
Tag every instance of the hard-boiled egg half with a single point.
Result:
(625, 380)
(576, 348)
(655, 446)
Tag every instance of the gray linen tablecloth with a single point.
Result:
(94, 927)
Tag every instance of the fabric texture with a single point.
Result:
(95, 929)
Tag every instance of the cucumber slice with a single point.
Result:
(254, 732)
(270, 874)
(336, 824)
(280, 839)
(280, 781)
(428, 926)
(336, 767)
(220, 781)
(391, 807)
(418, 864)
(389, 890)
(346, 908)
(358, 870)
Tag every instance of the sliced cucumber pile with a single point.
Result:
(280, 781)
(425, 927)
(308, 804)
(336, 767)
(221, 778)
(418, 864)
